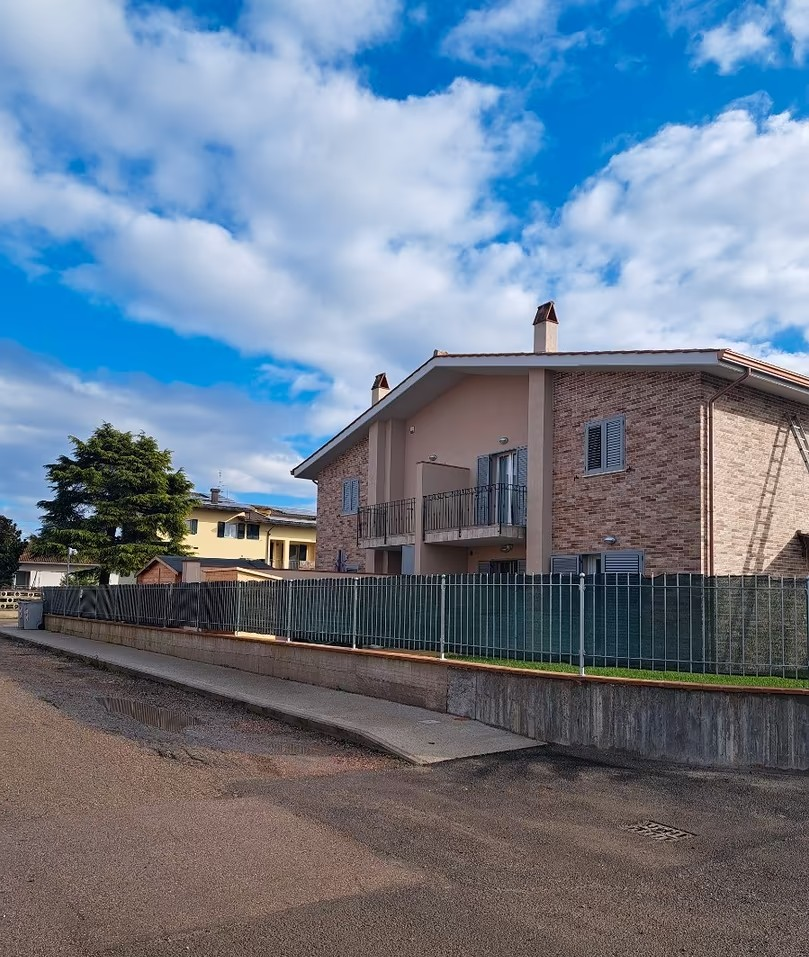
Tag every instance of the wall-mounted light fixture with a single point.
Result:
(506, 548)
(432, 457)
(412, 429)
(503, 440)
(609, 539)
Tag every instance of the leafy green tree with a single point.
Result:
(118, 501)
(11, 547)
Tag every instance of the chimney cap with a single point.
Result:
(439, 352)
(546, 313)
(381, 381)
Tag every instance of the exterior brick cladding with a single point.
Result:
(336, 531)
(761, 484)
(655, 504)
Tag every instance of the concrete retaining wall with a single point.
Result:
(406, 679)
(692, 724)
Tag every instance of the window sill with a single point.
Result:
(598, 473)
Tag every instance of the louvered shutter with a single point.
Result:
(482, 496)
(521, 492)
(623, 563)
(593, 446)
(564, 565)
(520, 566)
(484, 568)
(347, 496)
(220, 529)
(355, 496)
(614, 441)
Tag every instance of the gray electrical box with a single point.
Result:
(30, 616)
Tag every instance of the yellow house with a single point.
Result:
(221, 528)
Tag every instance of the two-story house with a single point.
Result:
(218, 527)
(638, 461)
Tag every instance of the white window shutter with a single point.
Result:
(614, 434)
(564, 564)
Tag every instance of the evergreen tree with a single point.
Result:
(118, 501)
(11, 547)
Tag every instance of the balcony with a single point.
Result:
(388, 524)
(488, 514)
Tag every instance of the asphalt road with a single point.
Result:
(237, 835)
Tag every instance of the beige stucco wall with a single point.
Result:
(466, 422)
(207, 544)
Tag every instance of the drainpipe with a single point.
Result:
(711, 403)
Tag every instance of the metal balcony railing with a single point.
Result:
(386, 520)
(485, 505)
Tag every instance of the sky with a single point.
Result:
(219, 219)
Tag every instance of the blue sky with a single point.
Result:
(220, 219)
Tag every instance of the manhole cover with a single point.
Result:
(657, 831)
(150, 714)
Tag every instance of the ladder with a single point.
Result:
(800, 437)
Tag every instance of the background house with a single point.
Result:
(219, 527)
(633, 461)
(41, 572)
(173, 569)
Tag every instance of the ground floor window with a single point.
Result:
(22, 579)
(298, 552)
(623, 562)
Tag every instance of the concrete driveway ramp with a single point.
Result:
(419, 736)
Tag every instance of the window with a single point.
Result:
(191, 526)
(252, 531)
(22, 579)
(622, 562)
(298, 553)
(351, 496)
(229, 530)
(604, 446)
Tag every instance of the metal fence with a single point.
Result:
(690, 623)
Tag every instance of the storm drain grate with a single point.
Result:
(657, 831)
(150, 714)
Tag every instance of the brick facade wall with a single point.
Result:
(655, 504)
(336, 531)
(761, 484)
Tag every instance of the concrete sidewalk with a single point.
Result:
(415, 734)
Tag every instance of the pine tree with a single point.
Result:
(11, 547)
(118, 501)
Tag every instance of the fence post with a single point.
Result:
(238, 606)
(289, 609)
(199, 595)
(166, 603)
(354, 600)
(581, 624)
(443, 629)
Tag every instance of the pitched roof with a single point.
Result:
(260, 514)
(175, 562)
(443, 370)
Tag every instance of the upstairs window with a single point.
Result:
(192, 526)
(252, 530)
(351, 496)
(604, 446)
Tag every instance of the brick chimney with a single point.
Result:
(215, 493)
(546, 328)
(380, 388)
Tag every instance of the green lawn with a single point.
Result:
(766, 681)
